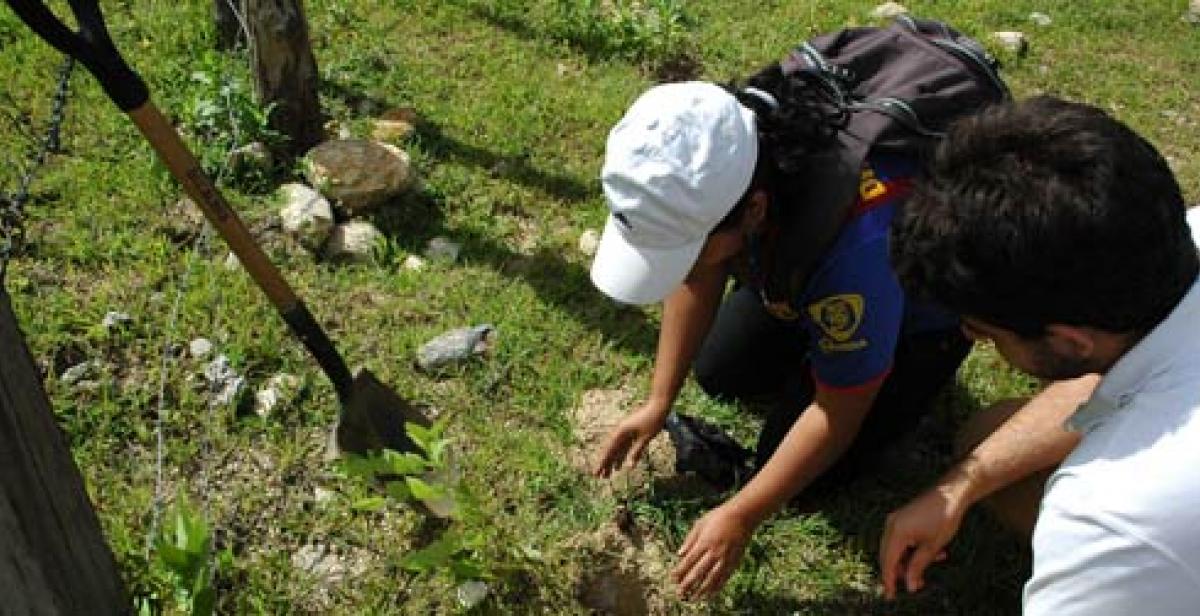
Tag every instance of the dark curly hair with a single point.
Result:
(1047, 211)
(805, 121)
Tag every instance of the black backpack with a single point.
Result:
(898, 88)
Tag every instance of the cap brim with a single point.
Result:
(637, 274)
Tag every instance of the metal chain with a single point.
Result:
(12, 210)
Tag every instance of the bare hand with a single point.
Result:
(711, 553)
(627, 442)
(916, 536)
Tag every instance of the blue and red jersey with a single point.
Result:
(852, 305)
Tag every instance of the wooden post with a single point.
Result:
(285, 71)
(229, 30)
(53, 557)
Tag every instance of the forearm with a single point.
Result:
(688, 314)
(1031, 440)
(813, 444)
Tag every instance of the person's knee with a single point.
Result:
(981, 425)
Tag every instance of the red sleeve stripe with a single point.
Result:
(895, 188)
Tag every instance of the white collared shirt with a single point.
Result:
(1119, 529)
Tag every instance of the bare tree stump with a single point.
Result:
(53, 557)
(229, 29)
(285, 71)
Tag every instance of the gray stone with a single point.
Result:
(76, 373)
(353, 242)
(442, 249)
(471, 593)
(359, 174)
(455, 346)
(223, 382)
(113, 320)
(306, 215)
(1013, 41)
(889, 10)
(1040, 19)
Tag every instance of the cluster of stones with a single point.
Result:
(353, 177)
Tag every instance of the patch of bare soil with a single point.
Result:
(623, 571)
(599, 411)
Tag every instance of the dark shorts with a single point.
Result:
(751, 356)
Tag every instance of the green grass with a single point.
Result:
(516, 104)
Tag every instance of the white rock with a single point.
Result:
(1192, 16)
(395, 125)
(280, 389)
(320, 561)
(413, 263)
(1040, 19)
(76, 373)
(889, 10)
(589, 242)
(354, 241)
(306, 215)
(442, 249)
(323, 496)
(1012, 41)
(359, 174)
(232, 263)
(200, 348)
(113, 320)
(471, 593)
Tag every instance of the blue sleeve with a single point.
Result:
(853, 310)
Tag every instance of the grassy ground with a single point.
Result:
(516, 100)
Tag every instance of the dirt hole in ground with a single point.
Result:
(622, 571)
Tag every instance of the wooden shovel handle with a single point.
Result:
(186, 169)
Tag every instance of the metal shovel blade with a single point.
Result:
(373, 418)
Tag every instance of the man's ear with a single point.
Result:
(1072, 341)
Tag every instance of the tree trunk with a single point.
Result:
(229, 30)
(285, 71)
(53, 557)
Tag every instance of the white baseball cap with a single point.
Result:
(674, 166)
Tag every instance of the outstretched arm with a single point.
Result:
(713, 549)
(687, 316)
(1033, 439)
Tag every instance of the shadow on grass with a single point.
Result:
(679, 65)
(413, 219)
(986, 565)
(441, 146)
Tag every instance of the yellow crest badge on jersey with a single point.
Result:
(839, 317)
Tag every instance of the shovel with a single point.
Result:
(372, 415)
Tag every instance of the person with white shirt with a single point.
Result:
(1063, 238)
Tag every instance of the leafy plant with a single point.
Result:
(225, 120)
(429, 478)
(183, 554)
(637, 29)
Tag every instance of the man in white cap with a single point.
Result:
(705, 183)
